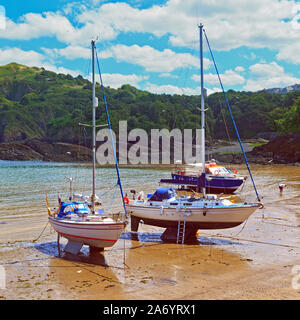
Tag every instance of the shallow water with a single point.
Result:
(22, 191)
(222, 264)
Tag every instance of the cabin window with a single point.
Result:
(68, 209)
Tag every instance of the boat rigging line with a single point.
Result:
(229, 109)
(111, 135)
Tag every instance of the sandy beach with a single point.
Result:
(252, 261)
(253, 264)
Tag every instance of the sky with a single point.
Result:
(154, 44)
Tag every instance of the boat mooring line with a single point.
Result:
(282, 225)
(41, 232)
(257, 241)
(96, 273)
(30, 260)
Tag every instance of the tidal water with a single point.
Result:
(23, 185)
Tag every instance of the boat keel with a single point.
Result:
(95, 250)
(134, 223)
(73, 247)
(170, 235)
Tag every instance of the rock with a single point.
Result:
(17, 151)
(40, 150)
(283, 149)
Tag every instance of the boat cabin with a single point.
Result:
(163, 193)
(68, 208)
(195, 169)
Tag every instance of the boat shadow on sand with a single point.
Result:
(85, 256)
(156, 237)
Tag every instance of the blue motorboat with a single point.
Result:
(218, 179)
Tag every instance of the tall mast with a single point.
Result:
(202, 110)
(95, 104)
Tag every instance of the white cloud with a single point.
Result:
(33, 59)
(47, 24)
(256, 24)
(290, 53)
(270, 75)
(160, 89)
(229, 77)
(70, 52)
(152, 59)
(35, 25)
(116, 80)
(170, 89)
(260, 70)
(211, 91)
(30, 58)
(252, 24)
(50, 67)
(168, 75)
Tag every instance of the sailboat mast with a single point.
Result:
(202, 109)
(95, 104)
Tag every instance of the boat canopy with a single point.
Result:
(73, 207)
(163, 193)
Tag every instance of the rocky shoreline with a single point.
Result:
(44, 151)
(281, 150)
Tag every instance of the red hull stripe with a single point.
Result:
(72, 235)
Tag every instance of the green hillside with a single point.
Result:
(36, 103)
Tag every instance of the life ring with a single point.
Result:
(126, 200)
(217, 172)
(234, 171)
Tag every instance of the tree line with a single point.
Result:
(36, 103)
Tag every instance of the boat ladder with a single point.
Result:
(181, 227)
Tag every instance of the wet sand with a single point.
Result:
(251, 261)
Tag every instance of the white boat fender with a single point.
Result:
(188, 212)
(141, 196)
(161, 210)
(260, 205)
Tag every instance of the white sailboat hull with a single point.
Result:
(196, 218)
(96, 234)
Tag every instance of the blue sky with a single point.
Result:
(154, 45)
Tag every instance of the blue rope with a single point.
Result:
(113, 198)
(229, 109)
(105, 192)
(112, 139)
